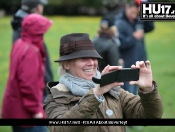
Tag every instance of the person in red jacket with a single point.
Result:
(24, 91)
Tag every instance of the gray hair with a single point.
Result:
(61, 69)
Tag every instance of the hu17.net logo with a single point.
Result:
(164, 11)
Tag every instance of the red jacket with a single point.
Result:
(24, 91)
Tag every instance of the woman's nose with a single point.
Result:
(90, 61)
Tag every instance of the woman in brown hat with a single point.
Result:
(77, 96)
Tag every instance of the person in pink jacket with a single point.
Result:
(24, 91)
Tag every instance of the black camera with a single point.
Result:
(125, 74)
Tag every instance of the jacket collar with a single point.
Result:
(61, 91)
(61, 94)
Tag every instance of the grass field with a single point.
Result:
(160, 46)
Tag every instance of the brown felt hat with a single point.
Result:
(77, 45)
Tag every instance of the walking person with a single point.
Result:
(107, 43)
(131, 36)
(24, 90)
(28, 7)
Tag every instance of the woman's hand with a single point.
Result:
(98, 91)
(145, 78)
(38, 115)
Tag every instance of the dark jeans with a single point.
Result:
(130, 88)
(30, 129)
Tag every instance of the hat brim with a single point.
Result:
(80, 54)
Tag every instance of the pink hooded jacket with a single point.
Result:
(24, 91)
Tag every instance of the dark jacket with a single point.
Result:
(148, 26)
(131, 50)
(17, 29)
(61, 103)
(108, 49)
(24, 91)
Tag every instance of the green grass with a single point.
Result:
(159, 44)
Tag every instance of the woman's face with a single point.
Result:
(85, 68)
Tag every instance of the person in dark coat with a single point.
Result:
(28, 7)
(131, 36)
(147, 26)
(107, 43)
(24, 91)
